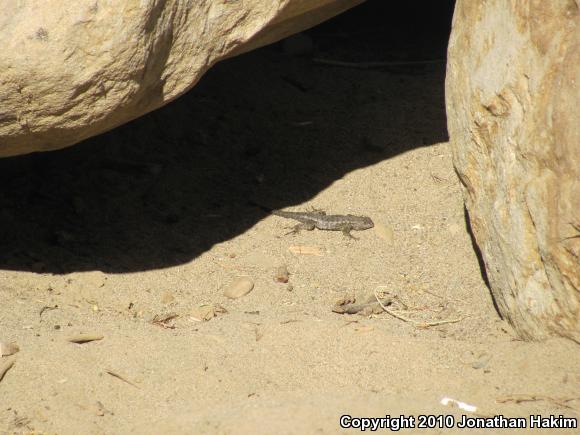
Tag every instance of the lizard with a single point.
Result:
(322, 221)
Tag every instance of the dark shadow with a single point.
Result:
(480, 261)
(267, 126)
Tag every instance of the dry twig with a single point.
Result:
(163, 320)
(118, 376)
(559, 401)
(85, 338)
(412, 321)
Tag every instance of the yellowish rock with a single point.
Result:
(512, 102)
(240, 287)
(69, 73)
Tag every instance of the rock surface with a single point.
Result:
(512, 107)
(71, 73)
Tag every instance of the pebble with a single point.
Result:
(281, 274)
(241, 286)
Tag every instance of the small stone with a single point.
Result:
(99, 411)
(281, 274)
(241, 286)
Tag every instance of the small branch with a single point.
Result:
(118, 376)
(559, 401)
(413, 322)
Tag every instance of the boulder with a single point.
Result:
(68, 73)
(513, 114)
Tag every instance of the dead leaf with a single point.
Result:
(164, 319)
(204, 313)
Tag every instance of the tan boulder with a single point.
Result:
(513, 109)
(71, 72)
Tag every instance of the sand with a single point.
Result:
(133, 236)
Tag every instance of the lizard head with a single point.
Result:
(369, 222)
(364, 223)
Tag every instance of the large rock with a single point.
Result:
(68, 72)
(513, 108)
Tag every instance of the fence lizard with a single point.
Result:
(322, 221)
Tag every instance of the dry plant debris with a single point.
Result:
(558, 401)
(164, 320)
(206, 312)
(406, 312)
(122, 378)
(85, 338)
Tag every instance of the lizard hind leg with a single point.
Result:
(317, 211)
(308, 226)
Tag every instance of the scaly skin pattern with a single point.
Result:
(331, 222)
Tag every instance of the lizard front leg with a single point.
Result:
(346, 229)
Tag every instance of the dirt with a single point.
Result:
(132, 237)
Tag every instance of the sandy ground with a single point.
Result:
(135, 235)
